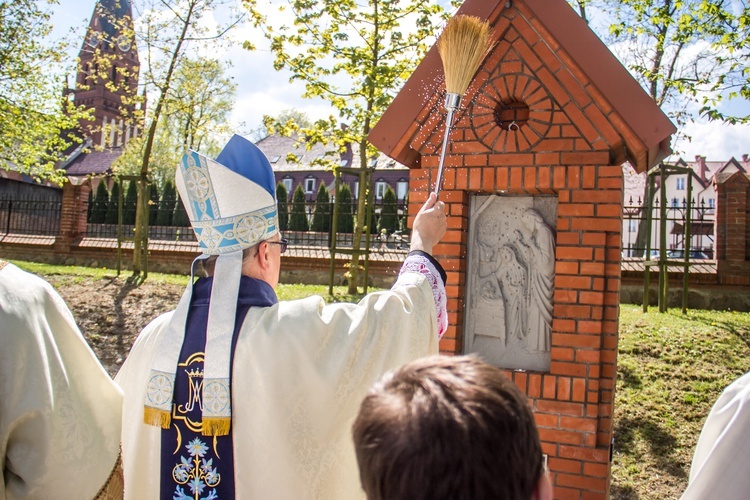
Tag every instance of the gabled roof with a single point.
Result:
(319, 157)
(643, 129)
(93, 162)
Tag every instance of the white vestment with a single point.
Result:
(721, 463)
(301, 369)
(60, 413)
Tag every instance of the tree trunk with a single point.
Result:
(141, 215)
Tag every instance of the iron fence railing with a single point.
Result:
(307, 224)
(31, 216)
(702, 232)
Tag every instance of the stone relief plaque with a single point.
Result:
(510, 282)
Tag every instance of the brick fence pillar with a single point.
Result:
(73, 214)
(732, 232)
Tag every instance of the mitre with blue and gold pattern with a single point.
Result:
(230, 201)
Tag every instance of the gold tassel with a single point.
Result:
(216, 426)
(156, 417)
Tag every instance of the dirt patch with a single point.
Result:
(111, 313)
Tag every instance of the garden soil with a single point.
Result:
(111, 312)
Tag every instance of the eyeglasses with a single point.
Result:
(283, 242)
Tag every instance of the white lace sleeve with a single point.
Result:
(421, 264)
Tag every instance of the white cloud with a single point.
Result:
(715, 141)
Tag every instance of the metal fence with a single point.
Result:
(41, 216)
(702, 233)
(303, 226)
(32, 216)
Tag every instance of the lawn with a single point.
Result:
(671, 367)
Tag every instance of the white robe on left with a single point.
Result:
(60, 412)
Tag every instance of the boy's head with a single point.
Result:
(448, 428)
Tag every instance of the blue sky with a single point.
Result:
(261, 90)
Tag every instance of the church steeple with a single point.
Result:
(107, 77)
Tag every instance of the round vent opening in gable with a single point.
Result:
(511, 115)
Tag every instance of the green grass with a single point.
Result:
(75, 274)
(671, 369)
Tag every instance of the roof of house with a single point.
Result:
(91, 162)
(644, 127)
(288, 154)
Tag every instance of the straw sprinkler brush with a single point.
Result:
(462, 46)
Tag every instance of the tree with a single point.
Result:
(389, 212)
(345, 222)
(169, 27)
(283, 206)
(128, 208)
(322, 212)
(35, 120)
(153, 203)
(356, 56)
(180, 218)
(166, 205)
(298, 216)
(101, 202)
(679, 53)
(111, 217)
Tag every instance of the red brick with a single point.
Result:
(562, 268)
(595, 469)
(587, 454)
(565, 296)
(582, 482)
(570, 466)
(560, 408)
(579, 389)
(535, 382)
(516, 179)
(546, 420)
(572, 311)
(520, 379)
(574, 253)
(570, 369)
(596, 224)
(563, 388)
(549, 387)
(559, 179)
(575, 209)
(560, 436)
(576, 340)
(578, 424)
(573, 86)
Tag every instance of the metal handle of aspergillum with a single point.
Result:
(452, 101)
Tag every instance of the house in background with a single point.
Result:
(703, 196)
(294, 165)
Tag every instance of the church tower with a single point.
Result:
(107, 79)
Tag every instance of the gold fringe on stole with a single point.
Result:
(156, 417)
(216, 426)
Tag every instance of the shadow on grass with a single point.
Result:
(629, 377)
(742, 333)
(623, 492)
(661, 443)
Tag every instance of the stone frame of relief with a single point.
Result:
(510, 280)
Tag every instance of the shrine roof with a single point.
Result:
(645, 129)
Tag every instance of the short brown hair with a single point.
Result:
(447, 428)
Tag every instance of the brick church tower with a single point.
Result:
(107, 78)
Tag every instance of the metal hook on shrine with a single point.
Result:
(513, 124)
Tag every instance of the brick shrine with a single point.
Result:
(579, 115)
